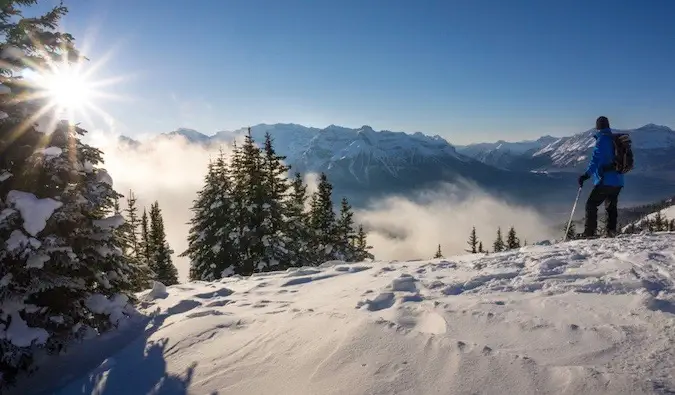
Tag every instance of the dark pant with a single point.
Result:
(610, 196)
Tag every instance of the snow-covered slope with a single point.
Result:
(667, 215)
(591, 317)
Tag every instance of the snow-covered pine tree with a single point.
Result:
(160, 261)
(473, 241)
(439, 253)
(512, 240)
(60, 258)
(211, 241)
(297, 225)
(480, 247)
(344, 233)
(248, 196)
(361, 246)
(498, 244)
(272, 230)
(129, 233)
(322, 220)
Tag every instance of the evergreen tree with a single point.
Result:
(145, 244)
(128, 232)
(322, 222)
(473, 241)
(211, 246)
(160, 261)
(498, 244)
(248, 199)
(275, 188)
(344, 232)
(672, 225)
(438, 254)
(297, 226)
(512, 241)
(361, 246)
(480, 247)
(61, 262)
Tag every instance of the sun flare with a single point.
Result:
(68, 90)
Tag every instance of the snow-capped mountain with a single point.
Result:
(504, 153)
(653, 145)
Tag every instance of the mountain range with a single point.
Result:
(365, 164)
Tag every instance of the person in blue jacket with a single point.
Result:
(607, 182)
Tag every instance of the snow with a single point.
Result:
(35, 212)
(101, 175)
(17, 241)
(5, 176)
(586, 316)
(115, 308)
(51, 151)
(21, 335)
(37, 261)
(112, 222)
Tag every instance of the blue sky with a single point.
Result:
(468, 70)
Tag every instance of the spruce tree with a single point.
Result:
(473, 241)
(61, 259)
(142, 275)
(361, 246)
(322, 221)
(512, 240)
(498, 244)
(672, 225)
(438, 254)
(160, 261)
(297, 225)
(274, 190)
(248, 198)
(480, 247)
(344, 232)
(211, 242)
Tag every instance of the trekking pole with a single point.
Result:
(572, 215)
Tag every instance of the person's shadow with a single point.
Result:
(136, 365)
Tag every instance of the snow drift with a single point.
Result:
(592, 317)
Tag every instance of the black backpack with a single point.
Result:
(623, 153)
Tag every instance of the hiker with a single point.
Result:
(606, 180)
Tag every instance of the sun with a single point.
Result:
(68, 90)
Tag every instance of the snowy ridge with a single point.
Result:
(586, 317)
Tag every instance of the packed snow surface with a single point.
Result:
(582, 317)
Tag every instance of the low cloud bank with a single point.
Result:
(402, 228)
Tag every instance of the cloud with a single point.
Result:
(171, 171)
(401, 228)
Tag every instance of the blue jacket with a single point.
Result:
(603, 154)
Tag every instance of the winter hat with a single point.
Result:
(602, 123)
